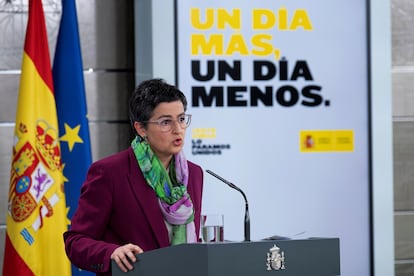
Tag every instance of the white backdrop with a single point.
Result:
(294, 193)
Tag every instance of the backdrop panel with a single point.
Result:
(279, 96)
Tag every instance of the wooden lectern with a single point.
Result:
(307, 257)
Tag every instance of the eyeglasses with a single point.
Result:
(167, 124)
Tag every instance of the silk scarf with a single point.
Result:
(170, 188)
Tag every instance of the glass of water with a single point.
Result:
(212, 228)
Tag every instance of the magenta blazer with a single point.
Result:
(117, 207)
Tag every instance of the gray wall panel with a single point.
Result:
(106, 30)
(100, 21)
(403, 92)
(6, 143)
(13, 22)
(404, 269)
(108, 138)
(402, 32)
(12, 26)
(108, 94)
(8, 96)
(403, 166)
(403, 128)
(404, 239)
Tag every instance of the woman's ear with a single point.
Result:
(139, 128)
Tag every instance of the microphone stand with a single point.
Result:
(246, 211)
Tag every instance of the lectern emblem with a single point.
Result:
(275, 259)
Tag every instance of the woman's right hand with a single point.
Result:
(124, 256)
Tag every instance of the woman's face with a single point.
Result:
(164, 143)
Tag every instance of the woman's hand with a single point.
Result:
(124, 256)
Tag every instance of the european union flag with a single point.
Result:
(71, 108)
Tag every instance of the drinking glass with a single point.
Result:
(212, 228)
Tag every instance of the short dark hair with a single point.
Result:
(148, 95)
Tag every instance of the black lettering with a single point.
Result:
(308, 93)
(196, 70)
(225, 69)
(263, 70)
(265, 97)
(233, 96)
(301, 70)
(199, 94)
(287, 96)
(283, 69)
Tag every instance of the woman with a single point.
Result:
(143, 198)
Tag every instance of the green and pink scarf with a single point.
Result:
(171, 189)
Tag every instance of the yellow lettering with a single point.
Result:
(263, 19)
(283, 19)
(301, 19)
(195, 15)
(237, 44)
(232, 19)
(263, 44)
(224, 17)
(200, 44)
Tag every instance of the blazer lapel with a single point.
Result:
(148, 201)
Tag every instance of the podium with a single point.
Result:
(307, 257)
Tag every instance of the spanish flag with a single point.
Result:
(36, 217)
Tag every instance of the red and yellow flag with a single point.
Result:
(36, 217)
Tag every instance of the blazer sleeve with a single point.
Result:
(84, 241)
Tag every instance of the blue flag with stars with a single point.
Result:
(71, 109)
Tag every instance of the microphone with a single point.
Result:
(246, 213)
